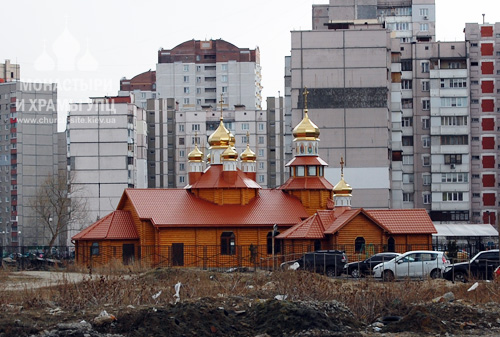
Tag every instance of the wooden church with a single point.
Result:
(224, 218)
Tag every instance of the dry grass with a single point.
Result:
(118, 286)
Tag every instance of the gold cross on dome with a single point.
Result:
(221, 101)
(342, 165)
(248, 137)
(195, 139)
(305, 93)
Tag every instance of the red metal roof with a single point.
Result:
(393, 221)
(181, 208)
(404, 221)
(117, 225)
(213, 178)
(306, 183)
(307, 160)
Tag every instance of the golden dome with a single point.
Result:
(248, 155)
(342, 187)
(221, 137)
(229, 154)
(195, 155)
(306, 129)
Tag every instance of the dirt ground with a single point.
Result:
(253, 314)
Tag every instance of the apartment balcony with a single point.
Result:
(451, 149)
(448, 73)
(449, 205)
(449, 168)
(455, 187)
(449, 130)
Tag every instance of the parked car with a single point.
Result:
(365, 267)
(481, 266)
(413, 264)
(328, 262)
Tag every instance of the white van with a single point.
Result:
(413, 264)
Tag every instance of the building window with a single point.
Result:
(261, 126)
(181, 140)
(455, 83)
(407, 122)
(453, 101)
(453, 159)
(454, 177)
(299, 171)
(261, 153)
(424, 12)
(224, 78)
(427, 198)
(407, 197)
(223, 66)
(245, 126)
(426, 141)
(198, 68)
(407, 103)
(94, 250)
(181, 167)
(186, 90)
(454, 140)
(186, 100)
(224, 89)
(181, 127)
(407, 178)
(426, 123)
(407, 160)
(277, 243)
(425, 65)
(453, 196)
(198, 80)
(198, 90)
(186, 79)
(426, 179)
(244, 140)
(426, 104)
(195, 127)
(426, 85)
(407, 140)
(359, 244)
(261, 178)
(406, 84)
(261, 165)
(426, 161)
(424, 27)
(186, 67)
(454, 120)
(406, 65)
(182, 179)
(181, 153)
(261, 139)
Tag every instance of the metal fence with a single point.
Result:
(203, 256)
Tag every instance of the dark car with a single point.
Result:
(481, 266)
(365, 267)
(328, 262)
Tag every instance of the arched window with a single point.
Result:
(359, 244)
(277, 243)
(391, 245)
(227, 243)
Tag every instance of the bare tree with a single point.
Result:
(56, 208)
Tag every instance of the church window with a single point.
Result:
(359, 244)
(227, 243)
(299, 171)
(311, 171)
(277, 243)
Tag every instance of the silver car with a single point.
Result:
(413, 264)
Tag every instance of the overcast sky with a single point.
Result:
(87, 46)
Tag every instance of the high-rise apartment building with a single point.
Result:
(367, 66)
(483, 48)
(107, 151)
(197, 72)
(29, 154)
(9, 72)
